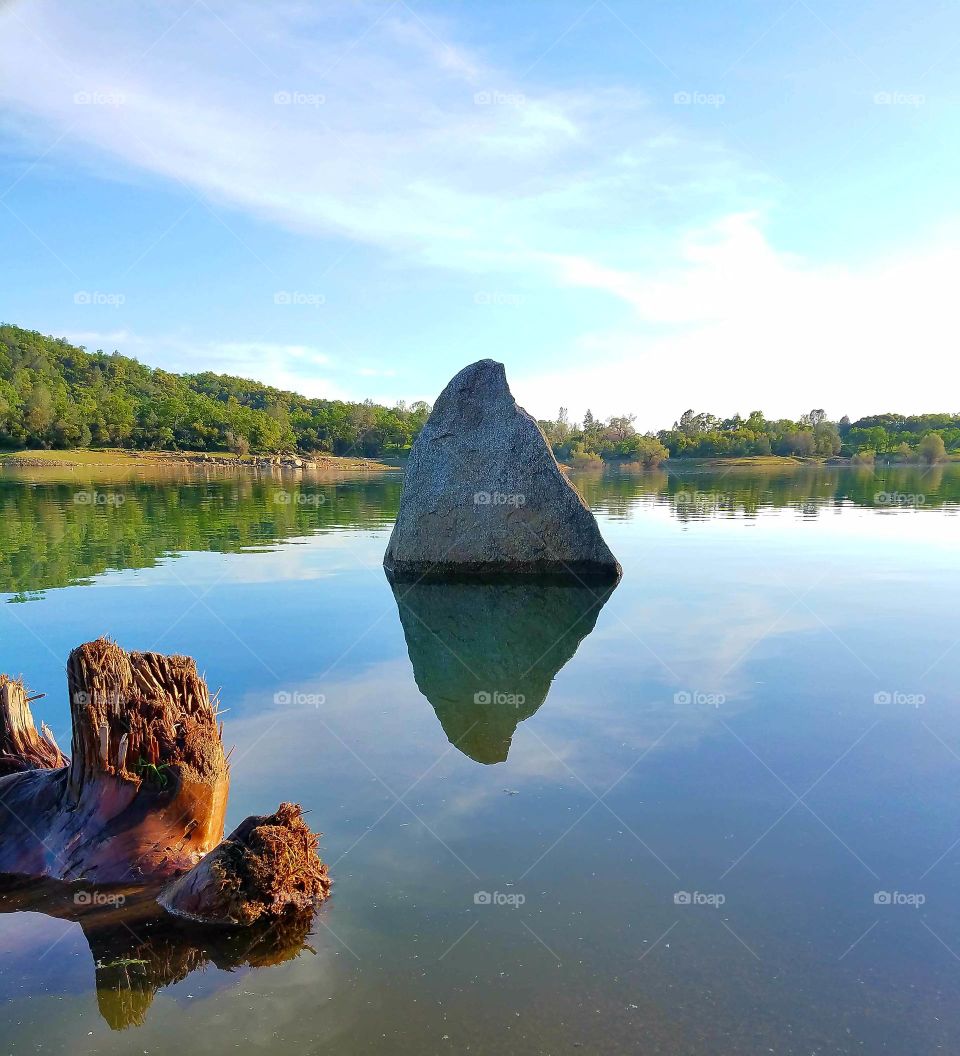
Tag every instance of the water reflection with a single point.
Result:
(804, 627)
(55, 532)
(485, 654)
(137, 948)
(696, 493)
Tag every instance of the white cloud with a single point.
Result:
(392, 134)
(386, 131)
(285, 366)
(734, 325)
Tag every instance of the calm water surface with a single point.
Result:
(714, 811)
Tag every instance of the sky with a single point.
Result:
(639, 206)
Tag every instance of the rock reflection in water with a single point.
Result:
(485, 654)
(137, 948)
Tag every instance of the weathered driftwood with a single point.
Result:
(144, 796)
(21, 747)
(145, 792)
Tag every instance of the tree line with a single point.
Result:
(893, 437)
(57, 395)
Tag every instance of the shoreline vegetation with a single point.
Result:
(62, 405)
(116, 457)
(703, 438)
(127, 458)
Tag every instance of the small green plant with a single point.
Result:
(153, 772)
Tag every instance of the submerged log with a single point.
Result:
(144, 796)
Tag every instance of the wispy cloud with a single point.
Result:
(300, 368)
(374, 123)
(375, 127)
(746, 326)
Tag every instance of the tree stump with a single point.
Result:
(21, 747)
(144, 796)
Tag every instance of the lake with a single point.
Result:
(715, 810)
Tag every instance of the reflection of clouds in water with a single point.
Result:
(25, 939)
(291, 737)
(586, 725)
(292, 560)
(291, 751)
(704, 646)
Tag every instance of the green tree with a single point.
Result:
(932, 448)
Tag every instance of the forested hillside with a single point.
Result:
(54, 394)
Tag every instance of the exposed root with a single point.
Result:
(266, 867)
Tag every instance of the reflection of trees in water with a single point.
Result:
(698, 494)
(53, 534)
(137, 948)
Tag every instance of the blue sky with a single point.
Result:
(636, 206)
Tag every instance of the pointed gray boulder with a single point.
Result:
(483, 494)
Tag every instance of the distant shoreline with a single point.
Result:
(760, 461)
(92, 458)
(86, 458)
